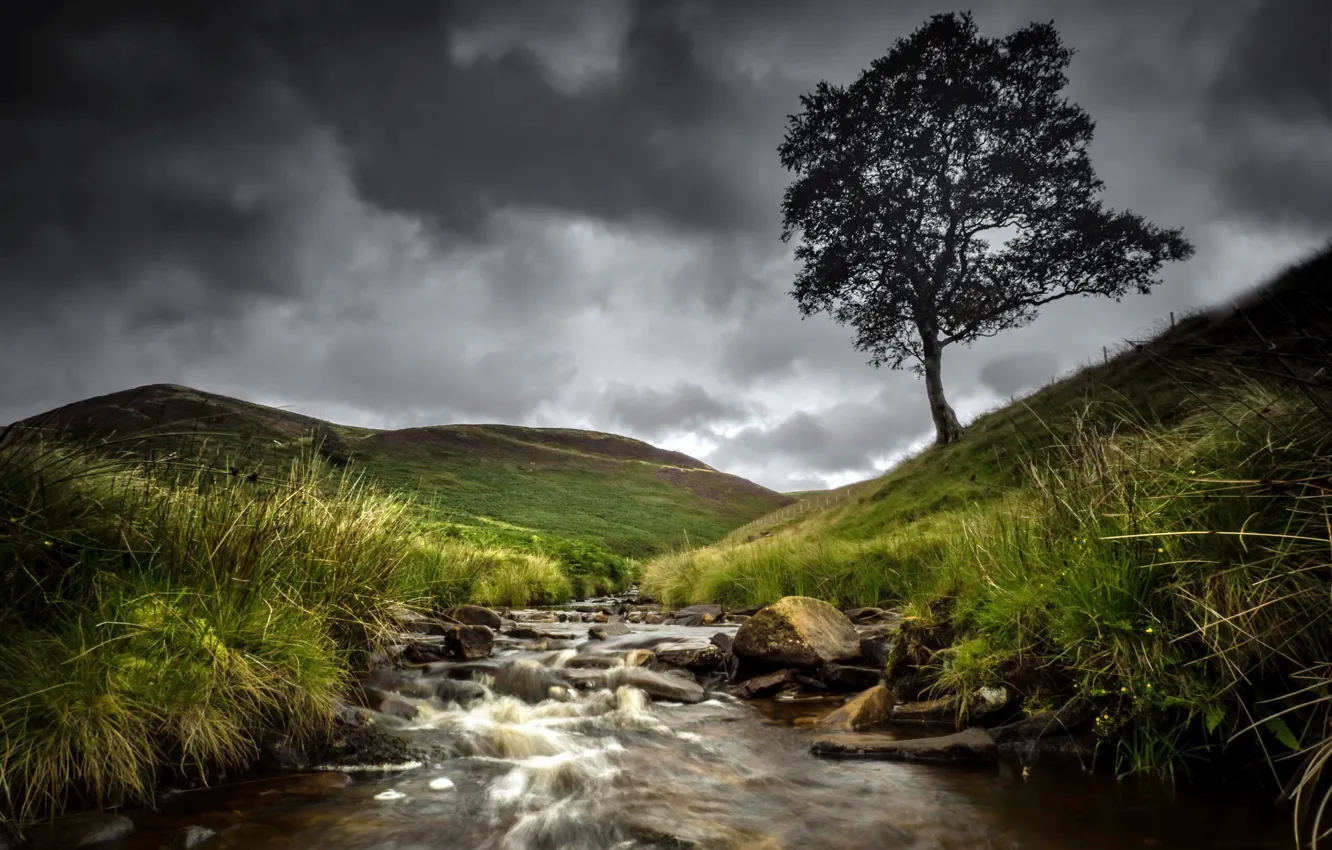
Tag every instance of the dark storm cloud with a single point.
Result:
(685, 407)
(1269, 111)
(1013, 373)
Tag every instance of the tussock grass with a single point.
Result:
(165, 618)
(1152, 538)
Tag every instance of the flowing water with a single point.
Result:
(527, 767)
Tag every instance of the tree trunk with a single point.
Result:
(946, 427)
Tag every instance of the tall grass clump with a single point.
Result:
(437, 574)
(166, 617)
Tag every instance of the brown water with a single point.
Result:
(611, 770)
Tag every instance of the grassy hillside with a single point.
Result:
(493, 483)
(1148, 537)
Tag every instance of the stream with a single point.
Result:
(609, 768)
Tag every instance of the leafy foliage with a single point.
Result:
(906, 177)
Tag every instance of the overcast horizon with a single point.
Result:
(567, 213)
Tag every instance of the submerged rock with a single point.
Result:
(865, 709)
(86, 829)
(472, 615)
(798, 631)
(462, 691)
(190, 837)
(844, 677)
(698, 615)
(765, 685)
(968, 745)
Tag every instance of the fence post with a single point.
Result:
(1172, 318)
(1105, 355)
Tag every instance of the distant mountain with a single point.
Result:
(633, 497)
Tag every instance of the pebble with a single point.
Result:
(391, 794)
(443, 783)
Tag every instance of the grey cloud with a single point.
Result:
(1012, 373)
(685, 407)
(844, 437)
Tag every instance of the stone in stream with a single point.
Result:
(583, 679)
(1070, 718)
(970, 745)
(527, 680)
(639, 657)
(722, 641)
(698, 615)
(987, 705)
(798, 631)
(395, 706)
(844, 677)
(594, 662)
(601, 631)
(765, 685)
(472, 615)
(469, 643)
(874, 651)
(865, 709)
(462, 691)
(691, 655)
(529, 633)
(85, 829)
(657, 685)
(190, 837)
(941, 710)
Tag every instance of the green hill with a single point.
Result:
(1147, 539)
(499, 483)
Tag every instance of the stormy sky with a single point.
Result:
(566, 212)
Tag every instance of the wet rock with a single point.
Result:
(538, 616)
(941, 710)
(1070, 718)
(529, 633)
(989, 704)
(381, 683)
(798, 631)
(634, 617)
(1030, 750)
(601, 631)
(462, 691)
(190, 837)
(463, 669)
(601, 617)
(654, 619)
(347, 745)
(693, 656)
(395, 706)
(765, 685)
(527, 680)
(319, 784)
(639, 658)
(809, 683)
(874, 651)
(86, 829)
(594, 662)
(865, 709)
(844, 677)
(472, 615)
(421, 652)
(698, 615)
(970, 745)
(469, 642)
(723, 641)
(657, 685)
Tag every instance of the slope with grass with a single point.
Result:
(495, 483)
(1148, 537)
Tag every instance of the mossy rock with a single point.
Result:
(798, 631)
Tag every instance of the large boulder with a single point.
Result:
(797, 631)
(472, 615)
(865, 709)
(969, 745)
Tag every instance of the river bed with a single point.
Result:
(611, 769)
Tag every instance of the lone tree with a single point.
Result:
(948, 143)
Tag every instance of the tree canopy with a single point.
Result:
(947, 193)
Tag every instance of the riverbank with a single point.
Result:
(590, 726)
(162, 621)
(1147, 538)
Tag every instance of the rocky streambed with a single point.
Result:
(616, 725)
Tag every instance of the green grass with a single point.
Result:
(1151, 536)
(165, 619)
(499, 484)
